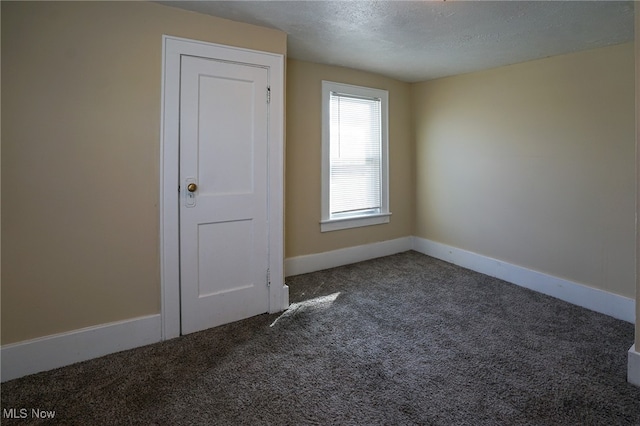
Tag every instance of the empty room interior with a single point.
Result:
(510, 156)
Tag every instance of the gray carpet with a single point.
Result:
(400, 340)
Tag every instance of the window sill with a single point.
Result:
(353, 222)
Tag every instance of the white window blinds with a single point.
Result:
(355, 155)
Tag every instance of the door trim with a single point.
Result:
(172, 49)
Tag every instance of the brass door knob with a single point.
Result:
(192, 187)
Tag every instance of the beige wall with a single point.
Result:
(533, 164)
(302, 223)
(80, 166)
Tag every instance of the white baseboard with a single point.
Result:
(331, 259)
(611, 304)
(633, 366)
(49, 352)
(285, 297)
(58, 350)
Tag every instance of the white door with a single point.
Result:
(224, 246)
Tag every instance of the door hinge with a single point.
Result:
(268, 94)
(268, 277)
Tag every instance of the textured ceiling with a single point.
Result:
(421, 40)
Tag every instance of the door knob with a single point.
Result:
(192, 187)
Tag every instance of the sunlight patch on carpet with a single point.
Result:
(322, 302)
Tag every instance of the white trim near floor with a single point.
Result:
(331, 259)
(607, 303)
(54, 351)
(58, 350)
(633, 366)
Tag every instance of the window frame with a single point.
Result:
(327, 222)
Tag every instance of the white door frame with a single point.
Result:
(172, 49)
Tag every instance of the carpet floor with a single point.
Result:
(401, 340)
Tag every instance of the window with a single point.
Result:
(354, 156)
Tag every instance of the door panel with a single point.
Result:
(226, 161)
(214, 262)
(223, 222)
